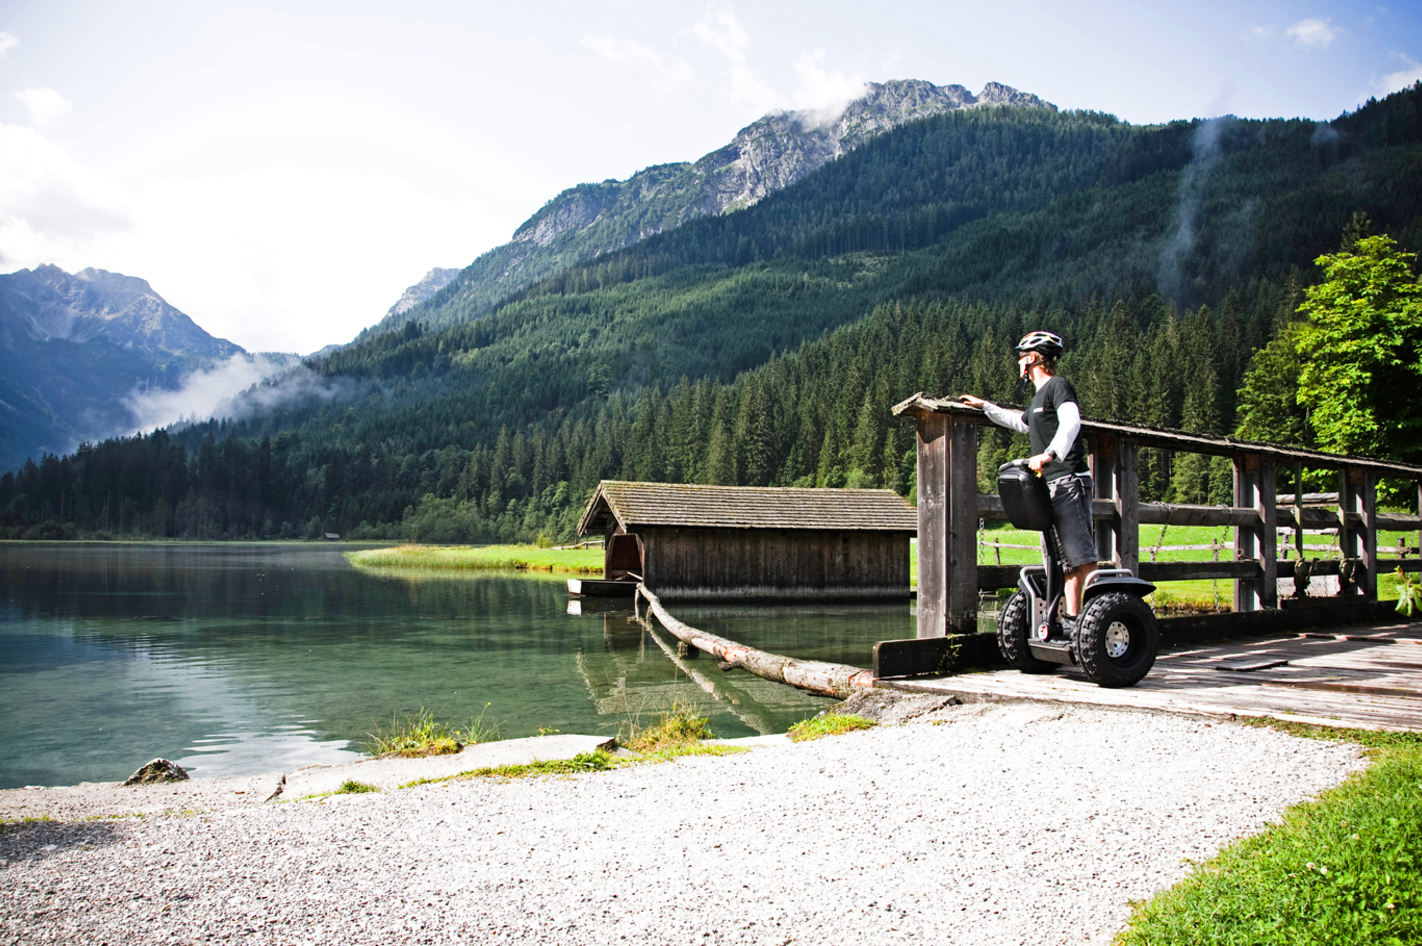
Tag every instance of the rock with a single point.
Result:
(159, 770)
(891, 708)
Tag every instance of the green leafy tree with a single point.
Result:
(1361, 352)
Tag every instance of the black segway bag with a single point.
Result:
(1024, 497)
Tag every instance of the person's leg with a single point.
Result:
(1075, 582)
(1071, 505)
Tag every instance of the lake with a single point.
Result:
(236, 659)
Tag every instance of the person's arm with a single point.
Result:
(1001, 416)
(1068, 427)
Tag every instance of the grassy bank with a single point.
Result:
(1175, 595)
(523, 557)
(1345, 869)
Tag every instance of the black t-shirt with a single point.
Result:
(1042, 424)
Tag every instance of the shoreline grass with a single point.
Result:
(482, 557)
(1345, 868)
(422, 735)
(830, 724)
(679, 726)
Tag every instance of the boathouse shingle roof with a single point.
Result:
(746, 507)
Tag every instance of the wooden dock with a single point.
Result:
(1360, 678)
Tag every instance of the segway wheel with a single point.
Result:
(1117, 640)
(1013, 624)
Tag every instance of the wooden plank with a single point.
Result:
(1104, 469)
(934, 655)
(920, 403)
(1182, 514)
(1362, 499)
(1255, 486)
(933, 456)
(1126, 497)
(1198, 571)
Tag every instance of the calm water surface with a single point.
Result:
(238, 659)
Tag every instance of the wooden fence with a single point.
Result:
(950, 508)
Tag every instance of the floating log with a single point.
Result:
(826, 679)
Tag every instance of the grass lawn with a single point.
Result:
(1175, 595)
(523, 557)
(1338, 871)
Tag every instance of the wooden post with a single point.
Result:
(1255, 486)
(1298, 514)
(1357, 494)
(932, 523)
(1103, 478)
(947, 525)
(962, 586)
(1127, 493)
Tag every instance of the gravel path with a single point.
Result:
(983, 824)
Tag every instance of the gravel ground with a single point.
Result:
(981, 824)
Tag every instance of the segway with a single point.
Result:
(1115, 639)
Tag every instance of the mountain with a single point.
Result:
(589, 220)
(765, 346)
(48, 304)
(73, 347)
(435, 280)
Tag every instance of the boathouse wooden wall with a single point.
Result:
(710, 564)
(699, 542)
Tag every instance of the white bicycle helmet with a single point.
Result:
(1047, 343)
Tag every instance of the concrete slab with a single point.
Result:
(391, 773)
(92, 800)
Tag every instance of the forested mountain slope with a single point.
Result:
(737, 349)
(590, 220)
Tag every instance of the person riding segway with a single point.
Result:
(1066, 611)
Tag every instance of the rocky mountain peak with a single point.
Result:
(47, 303)
(765, 156)
(433, 281)
(588, 220)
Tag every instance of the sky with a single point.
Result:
(282, 172)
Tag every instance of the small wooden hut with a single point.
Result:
(743, 542)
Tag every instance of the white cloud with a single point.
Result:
(1315, 33)
(51, 207)
(1402, 78)
(46, 105)
(8, 41)
(823, 91)
(303, 257)
(671, 71)
(721, 31)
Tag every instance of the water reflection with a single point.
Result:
(237, 659)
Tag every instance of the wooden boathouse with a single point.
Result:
(745, 542)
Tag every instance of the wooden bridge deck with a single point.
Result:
(1363, 678)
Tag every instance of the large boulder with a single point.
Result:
(159, 770)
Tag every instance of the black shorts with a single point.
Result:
(1071, 508)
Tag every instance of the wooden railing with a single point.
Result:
(950, 507)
